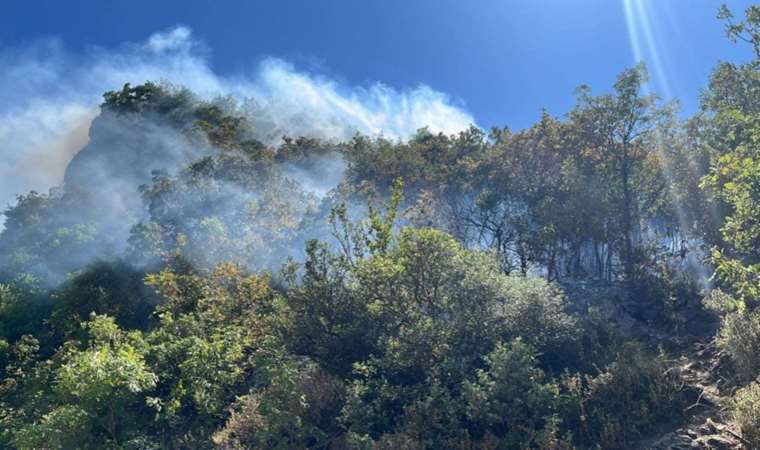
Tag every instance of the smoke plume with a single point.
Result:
(49, 95)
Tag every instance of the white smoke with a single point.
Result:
(49, 95)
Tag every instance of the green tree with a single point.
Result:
(214, 341)
(733, 105)
(512, 400)
(96, 398)
(619, 133)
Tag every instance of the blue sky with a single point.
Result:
(332, 68)
(501, 60)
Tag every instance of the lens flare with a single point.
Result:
(644, 45)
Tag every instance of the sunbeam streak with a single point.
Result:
(645, 24)
(645, 48)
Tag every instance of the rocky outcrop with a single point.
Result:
(125, 149)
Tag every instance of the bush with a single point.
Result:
(512, 399)
(534, 311)
(746, 412)
(739, 334)
(423, 301)
(740, 338)
(296, 411)
(634, 394)
(24, 309)
(112, 288)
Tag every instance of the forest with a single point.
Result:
(203, 280)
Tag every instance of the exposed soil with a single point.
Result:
(706, 426)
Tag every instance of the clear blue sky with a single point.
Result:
(502, 60)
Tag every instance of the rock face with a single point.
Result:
(121, 155)
(124, 150)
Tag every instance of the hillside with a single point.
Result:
(589, 282)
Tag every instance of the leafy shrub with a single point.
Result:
(534, 311)
(512, 400)
(740, 337)
(634, 394)
(96, 399)
(112, 288)
(297, 410)
(745, 409)
(24, 309)
(739, 334)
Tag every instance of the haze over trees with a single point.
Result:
(192, 286)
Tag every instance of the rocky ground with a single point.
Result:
(706, 426)
(697, 361)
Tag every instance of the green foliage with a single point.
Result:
(732, 102)
(511, 399)
(412, 340)
(739, 338)
(621, 131)
(747, 30)
(213, 333)
(24, 387)
(632, 395)
(746, 411)
(222, 130)
(114, 289)
(433, 321)
(427, 290)
(43, 240)
(296, 410)
(149, 97)
(95, 392)
(419, 318)
(24, 306)
(573, 197)
(734, 178)
(233, 207)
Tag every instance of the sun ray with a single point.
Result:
(644, 46)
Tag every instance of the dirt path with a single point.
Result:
(706, 426)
